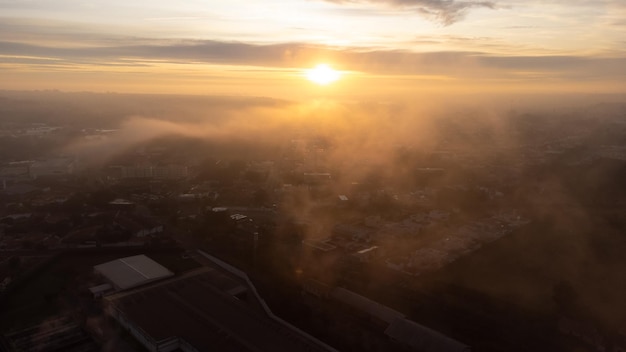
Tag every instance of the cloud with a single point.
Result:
(459, 64)
(65, 48)
(446, 12)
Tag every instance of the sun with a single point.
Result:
(322, 74)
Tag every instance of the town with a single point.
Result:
(480, 232)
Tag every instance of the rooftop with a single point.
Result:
(364, 304)
(132, 271)
(203, 308)
(422, 338)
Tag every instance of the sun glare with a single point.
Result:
(323, 74)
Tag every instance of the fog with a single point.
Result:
(415, 171)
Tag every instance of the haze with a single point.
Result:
(320, 175)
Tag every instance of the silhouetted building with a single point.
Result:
(421, 338)
(215, 308)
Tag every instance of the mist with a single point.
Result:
(510, 199)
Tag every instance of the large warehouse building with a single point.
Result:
(213, 308)
(131, 272)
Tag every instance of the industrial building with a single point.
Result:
(130, 272)
(214, 308)
(54, 167)
(420, 338)
(408, 334)
(157, 172)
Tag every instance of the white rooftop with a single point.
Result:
(132, 271)
(238, 217)
(120, 201)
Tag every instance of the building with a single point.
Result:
(139, 226)
(316, 178)
(131, 272)
(167, 172)
(406, 333)
(420, 338)
(214, 308)
(100, 290)
(55, 167)
(322, 246)
(17, 170)
(121, 204)
(378, 313)
(170, 172)
(136, 172)
(366, 255)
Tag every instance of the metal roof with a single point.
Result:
(422, 338)
(132, 271)
(366, 305)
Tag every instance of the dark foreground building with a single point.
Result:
(215, 308)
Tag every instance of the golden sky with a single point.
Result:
(385, 47)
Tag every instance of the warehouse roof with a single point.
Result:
(366, 305)
(132, 271)
(422, 338)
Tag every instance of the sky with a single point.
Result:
(244, 47)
